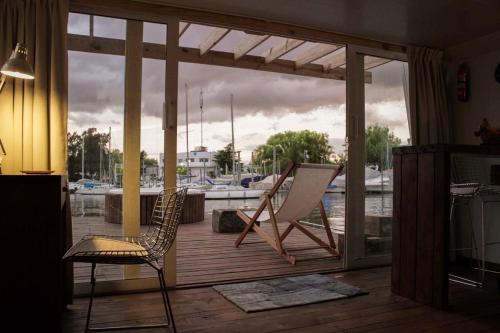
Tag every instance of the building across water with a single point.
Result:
(201, 163)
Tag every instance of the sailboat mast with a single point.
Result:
(83, 156)
(109, 157)
(233, 151)
(201, 115)
(187, 133)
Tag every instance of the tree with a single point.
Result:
(74, 156)
(297, 147)
(181, 170)
(379, 142)
(147, 161)
(96, 155)
(224, 159)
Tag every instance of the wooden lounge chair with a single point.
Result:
(306, 193)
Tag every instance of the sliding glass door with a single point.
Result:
(377, 122)
(116, 133)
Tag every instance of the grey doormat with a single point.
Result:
(285, 292)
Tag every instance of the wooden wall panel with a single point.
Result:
(425, 228)
(408, 225)
(441, 230)
(420, 269)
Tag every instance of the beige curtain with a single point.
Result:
(33, 114)
(429, 115)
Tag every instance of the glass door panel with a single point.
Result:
(153, 98)
(386, 127)
(95, 141)
(103, 195)
(377, 122)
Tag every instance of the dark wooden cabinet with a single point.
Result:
(35, 232)
(420, 239)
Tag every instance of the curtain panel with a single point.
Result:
(33, 113)
(429, 118)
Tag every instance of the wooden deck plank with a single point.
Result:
(205, 257)
(204, 310)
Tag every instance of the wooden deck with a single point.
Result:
(204, 310)
(205, 257)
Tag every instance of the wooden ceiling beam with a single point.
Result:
(287, 45)
(314, 53)
(154, 12)
(250, 42)
(213, 38)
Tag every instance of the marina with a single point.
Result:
(216, 257)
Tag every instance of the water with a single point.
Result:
(375, 204)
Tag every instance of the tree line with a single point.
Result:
(312, 147)
(103, 164)
(99, 162)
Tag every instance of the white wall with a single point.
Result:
(482, 56)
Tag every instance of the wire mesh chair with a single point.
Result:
(468, 184)
(148, 248)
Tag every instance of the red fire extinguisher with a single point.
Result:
(463, 83)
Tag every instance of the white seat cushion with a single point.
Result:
(105, 246)
(467, 191)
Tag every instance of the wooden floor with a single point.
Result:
(205, 257)
(204, 310)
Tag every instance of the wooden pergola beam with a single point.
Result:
(112, 46)
(336, 60)
(217, 58)
(372, 62)
(183, 26)
(226, 59)
(314, 53)
(213, 38)
(281, 49)
(250, 42)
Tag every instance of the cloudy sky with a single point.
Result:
(264, 103)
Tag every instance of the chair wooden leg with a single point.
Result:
(246, 230)
(274, 223)
(250, 223)
(92, 290)
(286, 232)
(326, 224)
(315, 238)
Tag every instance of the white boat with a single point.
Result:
(215, 192)
(87, 187)
(268, 182)
(374, 182)
(226, 192)
(378, 184)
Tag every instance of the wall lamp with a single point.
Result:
(16, 66)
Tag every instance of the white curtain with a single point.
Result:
(429, 115)
(33, 113)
